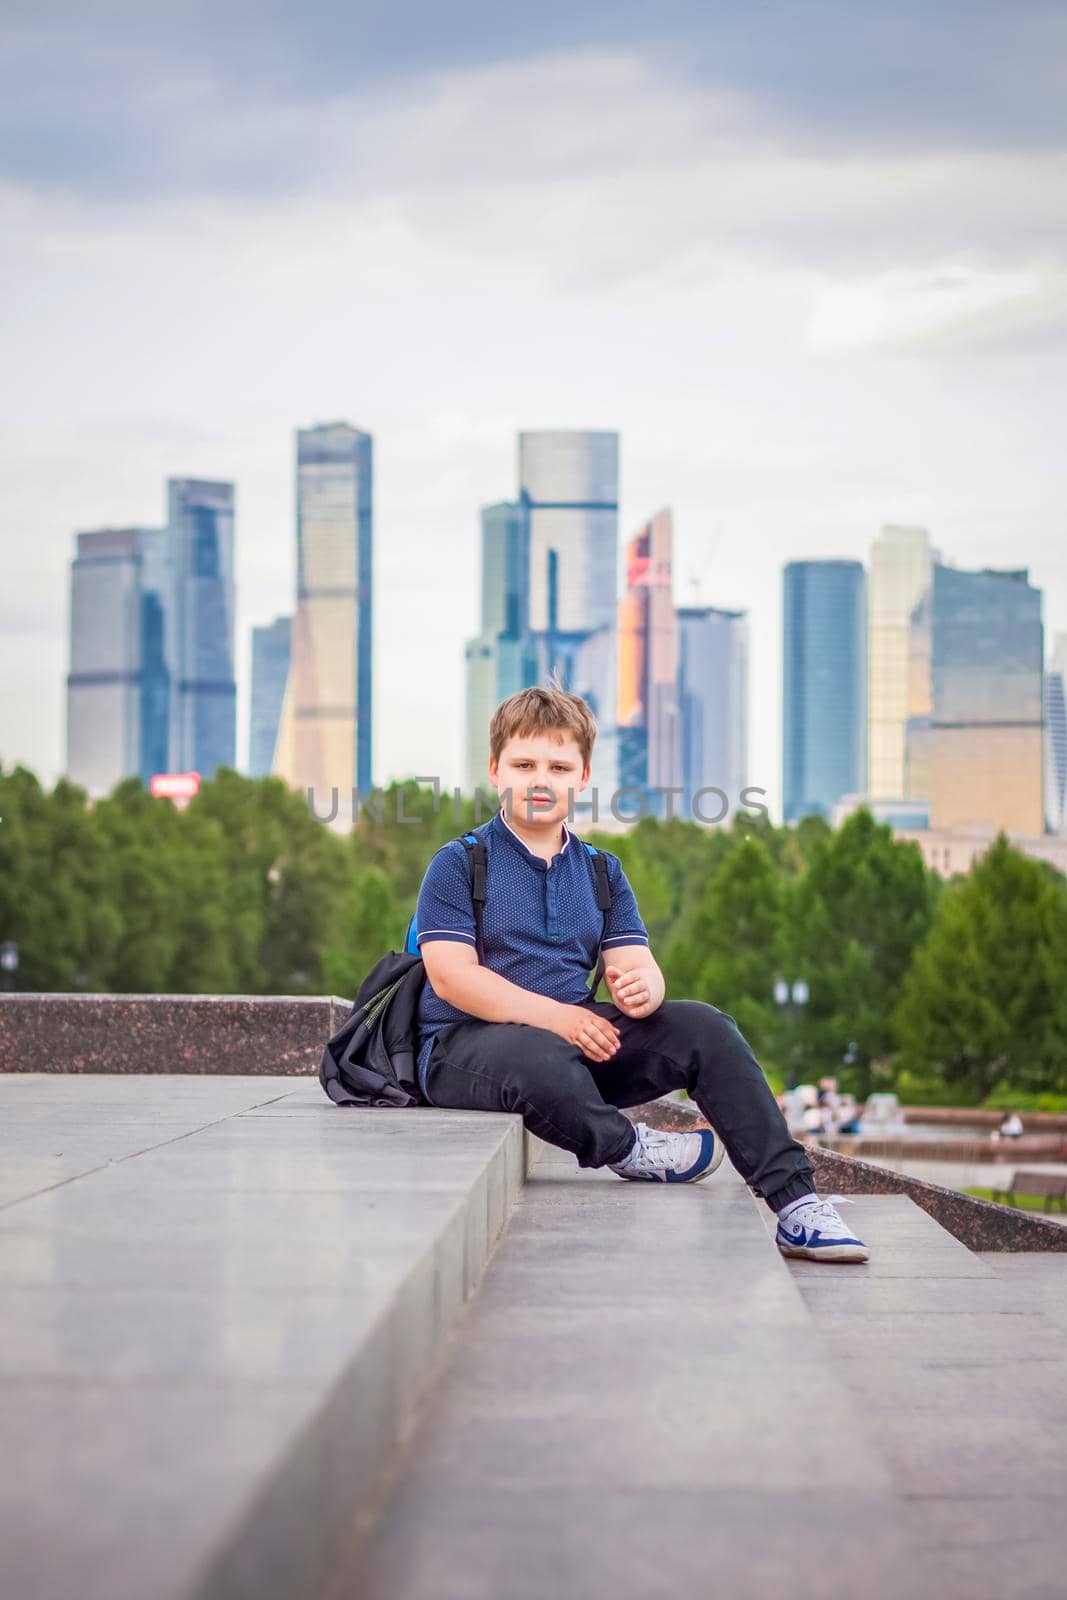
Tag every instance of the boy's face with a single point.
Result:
(544, 772)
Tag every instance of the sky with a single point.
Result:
(809, 259)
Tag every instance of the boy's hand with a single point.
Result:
(630, 991)
(594, 1035)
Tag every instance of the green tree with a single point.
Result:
(53, 886)
(985, 1000)
(856, 917)
(728, 950)
(371, 924)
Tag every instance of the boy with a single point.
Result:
(523, 1033)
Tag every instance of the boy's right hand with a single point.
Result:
(594, 1035)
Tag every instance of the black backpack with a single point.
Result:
(370, 1060)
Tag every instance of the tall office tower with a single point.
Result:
(986, 747)
(1056, 738)
(650, 756)
(899, 577)
(713, 696)
(499, 659)
(569, 483)
(202, 657)
(824, 682)
(117, 688)
(270, 670)
(324, 739)
(920, 699)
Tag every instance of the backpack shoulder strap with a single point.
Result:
(603, 900)
(476, 866)
(603, 882)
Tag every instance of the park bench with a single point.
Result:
(1053, 1185)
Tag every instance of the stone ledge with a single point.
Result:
(197, 1033)
(979, 1224)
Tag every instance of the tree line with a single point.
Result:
(950, 992)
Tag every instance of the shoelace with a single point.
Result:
(652, 1153)
(823, 1209)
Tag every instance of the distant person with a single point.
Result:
(522, 1032)
(815, 1119)
(1012, 1126)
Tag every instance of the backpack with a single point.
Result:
(371, 1059)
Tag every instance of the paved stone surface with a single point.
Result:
(219, 1299)
(963, 1378)
(637, 1403)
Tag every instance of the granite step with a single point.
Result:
(959, 1363)
(638, 1402)
(220, 1299)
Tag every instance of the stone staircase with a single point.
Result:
(253, 1345)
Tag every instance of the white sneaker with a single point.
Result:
(816, 1232)
(661, 1157)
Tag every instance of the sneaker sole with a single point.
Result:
(826, 1252)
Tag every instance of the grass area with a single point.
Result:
(1023, 1202)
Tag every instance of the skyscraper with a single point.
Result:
(986, 748)
(899, 576)
(920, 699)
(325, 733)
(499, 660)
(270, 670)
(648, 718)
(201, 650)
(824, 671)
(117, 688)
(569, 483)
(1056, 738)
(713, 698)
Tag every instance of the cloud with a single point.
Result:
(128, 99)
(793, 269)
(936, 309)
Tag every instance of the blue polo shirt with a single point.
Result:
(541, 925)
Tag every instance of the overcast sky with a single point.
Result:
(809, 259)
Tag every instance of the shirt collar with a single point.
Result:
(504, 826)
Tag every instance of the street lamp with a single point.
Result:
(9, 964)
(791, 999)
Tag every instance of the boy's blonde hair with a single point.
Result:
(548, 710)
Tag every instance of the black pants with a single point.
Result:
(573, 1102)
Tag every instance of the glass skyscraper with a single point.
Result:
(326, 731)
(270, 670)
(899, 577)
(648, 718)
(713, 697)
(824, 685)
(118, 685)
(986, 751)
(500, 659)
(569, 483)
(201, 648)
(1056, 738)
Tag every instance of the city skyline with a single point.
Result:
(193, 557)
(814, 277)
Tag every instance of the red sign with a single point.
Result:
(175, 785)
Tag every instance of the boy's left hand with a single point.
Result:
(630, 991)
